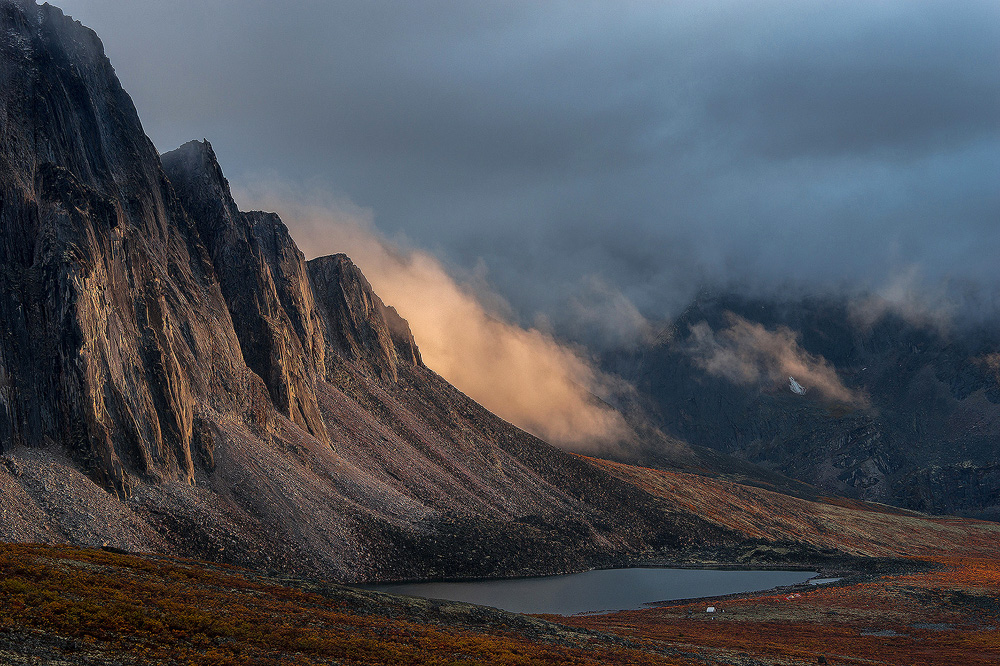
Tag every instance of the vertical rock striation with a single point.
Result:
(113, 320)
(231, 401)
(360, 328)
(263, 278)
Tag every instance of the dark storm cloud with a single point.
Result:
(581, 155)
(896, 79)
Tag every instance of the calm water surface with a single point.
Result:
(596, 591)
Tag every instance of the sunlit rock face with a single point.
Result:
(360, 327)
(263, 278)
(174, 377)
(116, 338)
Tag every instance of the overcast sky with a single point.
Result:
(586, 157)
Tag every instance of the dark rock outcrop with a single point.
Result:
(115, 333)
(175, 378)
(925, 438)
(263, 279)
(360, 328)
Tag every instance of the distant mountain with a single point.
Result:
(914, 421)
(175, 377)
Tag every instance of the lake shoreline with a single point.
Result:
(841, 565)
(604, 590)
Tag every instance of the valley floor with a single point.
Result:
(947, 616)
(67, 605)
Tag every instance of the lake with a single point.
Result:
(601, 590)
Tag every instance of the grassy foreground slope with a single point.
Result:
(62, 604)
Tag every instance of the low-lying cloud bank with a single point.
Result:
(748, 353)
(622, 160)
(521, 374)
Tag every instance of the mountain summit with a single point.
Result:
(175, 377)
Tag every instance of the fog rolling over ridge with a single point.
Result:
(195, 344)
(530, 183)
(598, 164)
(748, 353)
(521, 374)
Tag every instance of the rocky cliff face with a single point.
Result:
(263, 280)
(360, 328)
(116, 337)
(175, 377)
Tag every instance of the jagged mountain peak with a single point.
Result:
(263, 278)
(362, 328)
(66, 80)
(197, 158)
(175, 377)
(118, 340)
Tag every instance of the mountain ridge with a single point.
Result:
(177, 379)
(921, 436)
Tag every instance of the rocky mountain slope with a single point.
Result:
(919, 429)
(174, 377)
